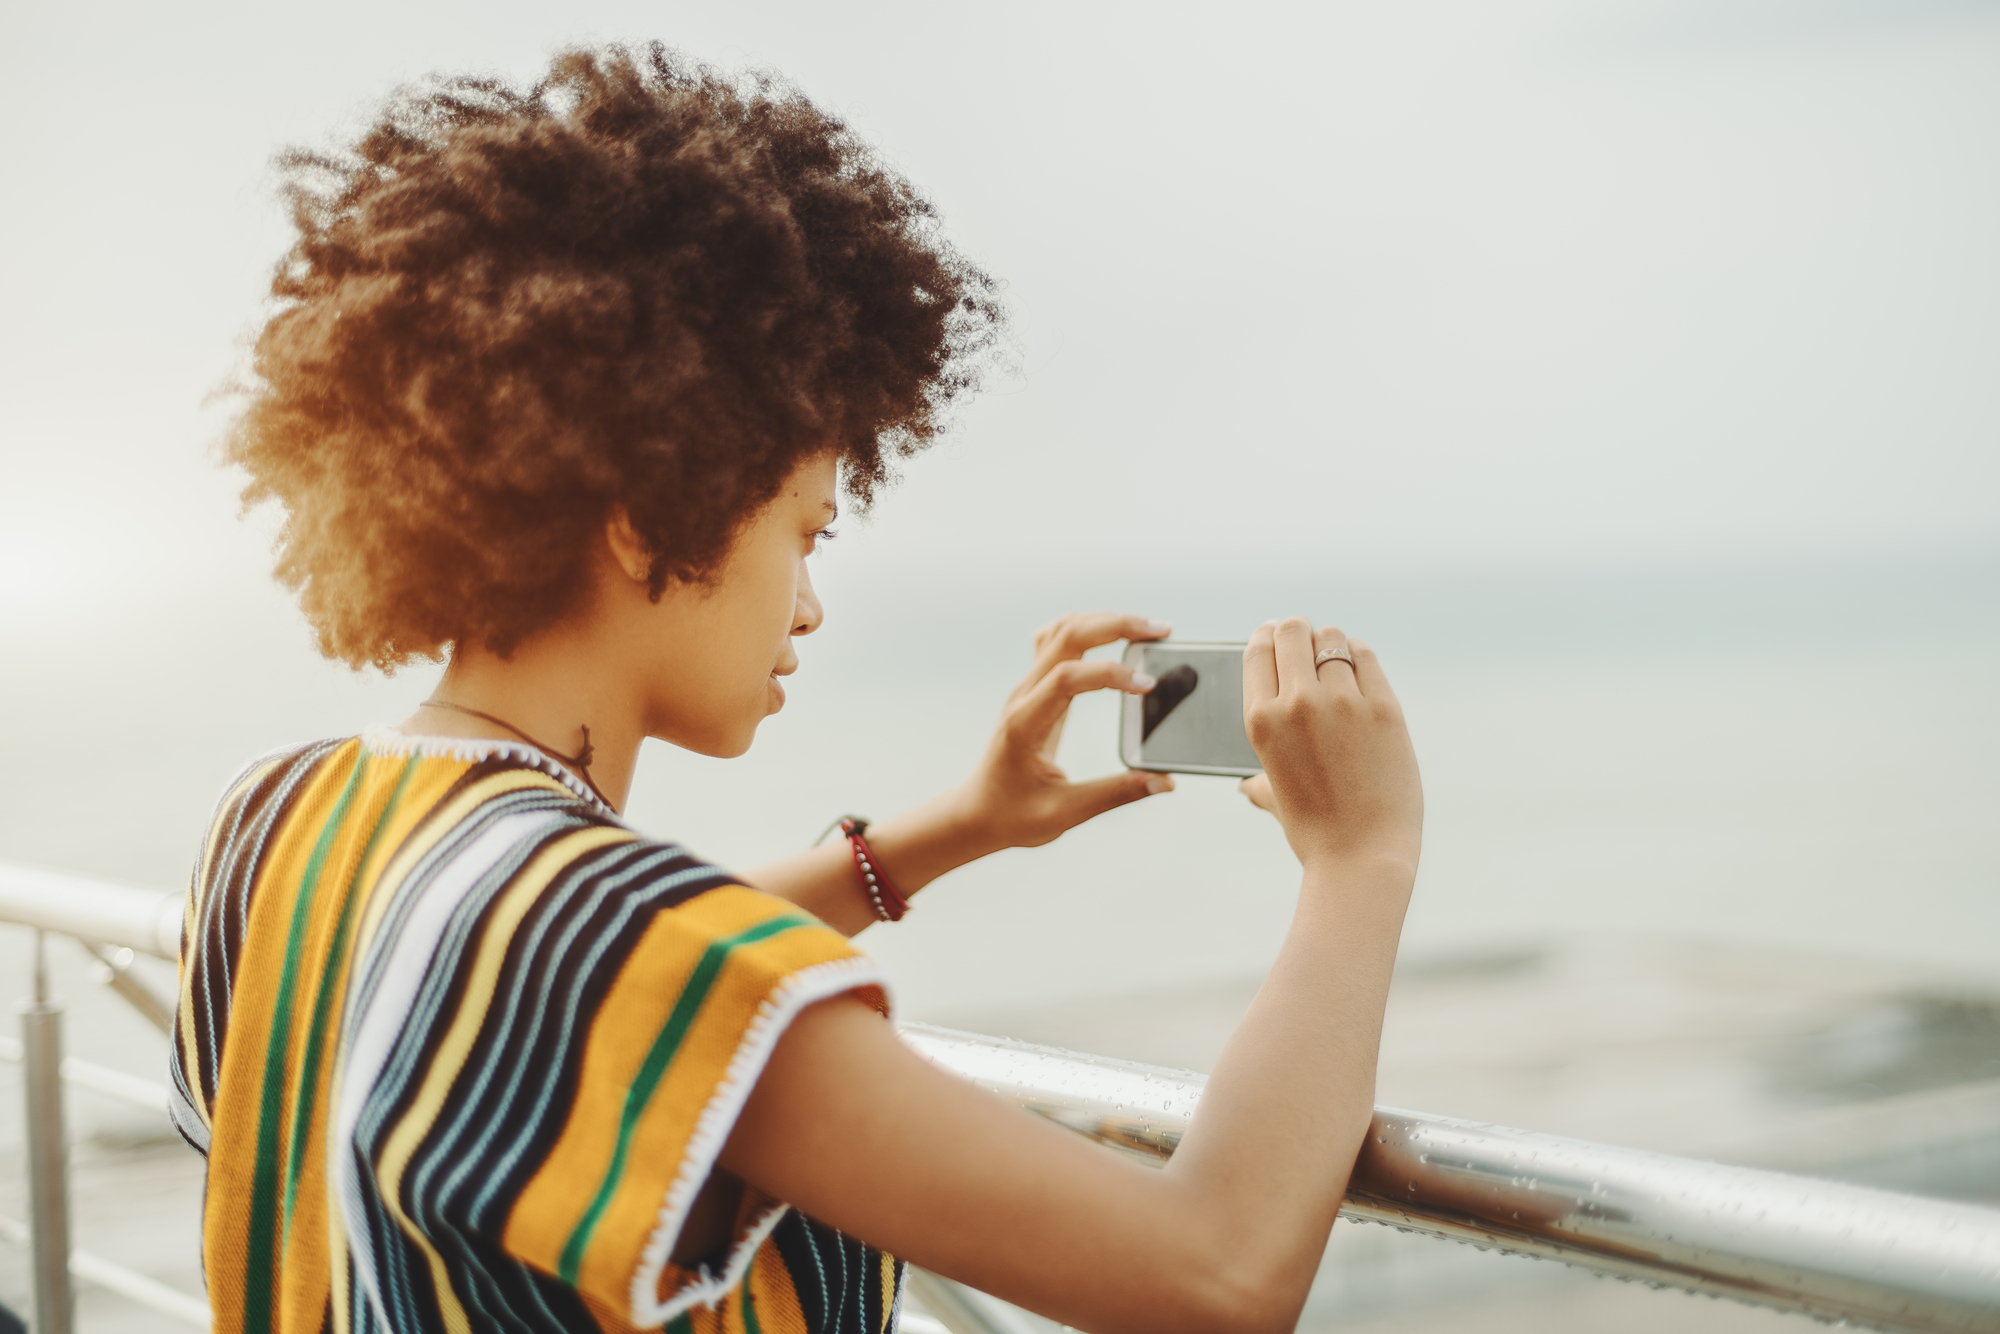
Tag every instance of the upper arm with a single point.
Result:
(855, 1129)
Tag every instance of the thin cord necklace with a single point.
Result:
(579, 761)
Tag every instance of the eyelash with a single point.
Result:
(823, 536)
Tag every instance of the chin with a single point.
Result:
(725, 745)
(725, 733)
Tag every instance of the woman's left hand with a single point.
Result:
(1019, 797)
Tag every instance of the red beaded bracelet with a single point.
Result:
(889, 904)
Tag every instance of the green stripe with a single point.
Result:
(323, 1004)
(262, 1260)
(652, 1069)
(750, 1325)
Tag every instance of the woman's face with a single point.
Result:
(712, 656)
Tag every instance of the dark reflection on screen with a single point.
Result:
(1198, 716)
(1176, 684)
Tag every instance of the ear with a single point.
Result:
(631, 551)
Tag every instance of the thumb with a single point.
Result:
(1094, 798)
(1257, 787)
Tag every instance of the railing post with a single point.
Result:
(48, 1155)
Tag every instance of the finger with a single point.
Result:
(1257, 787)
(1293, 646)
(1368, 673)
(1074, 636)
(1335, 672)
(1088, 800)
(1260, 668)
(1045, 706)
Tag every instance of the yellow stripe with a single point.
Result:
(477, 997)
(337, 1276)
(778, 1309)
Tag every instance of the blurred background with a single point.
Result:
(1625, 371)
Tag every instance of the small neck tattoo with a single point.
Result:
(580, 761)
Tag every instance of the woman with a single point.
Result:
(564, 386)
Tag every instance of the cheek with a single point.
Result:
(777, 600)
(762, 624)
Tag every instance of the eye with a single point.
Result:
(823, 536)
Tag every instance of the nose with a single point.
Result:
(807, 614)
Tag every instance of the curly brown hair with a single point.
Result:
(636, 282)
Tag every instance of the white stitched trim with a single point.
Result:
(776, 1013)
(388, 742)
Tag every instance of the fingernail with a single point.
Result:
(1159, 627)
(1157, 784)
(1142, 682)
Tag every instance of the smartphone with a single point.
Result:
(1192, 721)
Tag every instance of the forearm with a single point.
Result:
(852, 1127)
(1267, 1159)
(913, 849)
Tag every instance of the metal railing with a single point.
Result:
(112, 922)
(1836, 1252)
(1832, 1251)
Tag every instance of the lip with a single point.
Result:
(787, 664)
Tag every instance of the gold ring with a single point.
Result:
(1327, 655)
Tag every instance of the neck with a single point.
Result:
(546, 691)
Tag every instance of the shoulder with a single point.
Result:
(275, 775)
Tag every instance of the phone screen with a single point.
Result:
(1192, 721)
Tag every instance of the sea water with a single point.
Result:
(1797, 754)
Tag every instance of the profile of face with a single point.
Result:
(707, 658)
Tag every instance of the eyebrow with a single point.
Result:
(832, 510)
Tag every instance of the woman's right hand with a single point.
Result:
(1339, 771)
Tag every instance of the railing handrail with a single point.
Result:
(1821, 1248)
(145, 920)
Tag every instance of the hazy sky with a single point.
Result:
(1352, 309)
(1443, 282)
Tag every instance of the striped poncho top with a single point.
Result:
(462, 1048)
